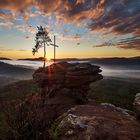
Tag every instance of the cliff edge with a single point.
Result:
(64, 90)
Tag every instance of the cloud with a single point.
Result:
(16, 5)
(10, 9)
(72, 38)
(77, 11)
(6, 24)
(6, 49)
(27, 15)
(128, 43)
(104, 14)
(25, 28)
(21, 50)
(27, 37)
(119, 17)
(5, 15)
(48, 6)
(3, 49)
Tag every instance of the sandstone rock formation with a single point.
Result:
(65, 86)
(68, 74)
(85, 122)
(72, 79)
(137, 105)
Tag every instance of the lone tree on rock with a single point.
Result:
(42, 39)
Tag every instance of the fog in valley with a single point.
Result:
(108, 71)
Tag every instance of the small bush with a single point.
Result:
(55, 132)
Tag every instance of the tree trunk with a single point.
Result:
(44, 56)
(54, 49)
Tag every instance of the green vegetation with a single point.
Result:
(4, 129)
(6, 81)
(14, 91)
(55, 132)
(118, 92)
(18, 90)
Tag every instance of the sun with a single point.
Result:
(48, 58)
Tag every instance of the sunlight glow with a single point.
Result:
(48, 58)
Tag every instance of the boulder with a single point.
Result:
(86, 122)
(136, 104)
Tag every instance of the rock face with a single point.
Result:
(65, 87)
(73, 79)
(86, 122)
(68, 84)
(137, 105)
(68, 75)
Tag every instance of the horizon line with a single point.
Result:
(70, 57)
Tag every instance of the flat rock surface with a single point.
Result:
(96, 122)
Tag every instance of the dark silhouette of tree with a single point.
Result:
(42, 39)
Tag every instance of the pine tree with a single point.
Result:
(42, 39)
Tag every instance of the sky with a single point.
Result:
(83, 28)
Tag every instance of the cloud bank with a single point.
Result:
(118, 17)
